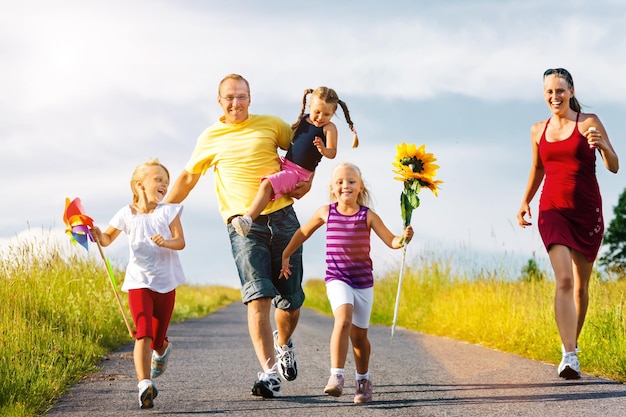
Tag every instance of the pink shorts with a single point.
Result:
(285, 180)
(151, 312)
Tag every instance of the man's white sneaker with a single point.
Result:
(286, 359)
(267, 386)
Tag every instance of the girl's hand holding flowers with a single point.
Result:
(407, 235)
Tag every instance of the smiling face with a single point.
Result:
(346, 185)
(154, 183)
(320, 112)
(557, 93)
(234, 99)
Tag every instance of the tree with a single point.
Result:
(614, 259)
(531, 272)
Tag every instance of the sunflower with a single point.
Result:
(413, 163)
(416, 169)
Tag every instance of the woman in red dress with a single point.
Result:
(564, 149)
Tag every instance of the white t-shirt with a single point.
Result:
(150, 266)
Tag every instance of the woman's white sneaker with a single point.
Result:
(569, 368)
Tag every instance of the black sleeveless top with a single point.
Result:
(302, 152)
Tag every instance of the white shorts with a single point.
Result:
(362, 299)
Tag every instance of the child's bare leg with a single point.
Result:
(361, 349)
(142, 355)
(340, 336)
(260, 201)
(339, 342)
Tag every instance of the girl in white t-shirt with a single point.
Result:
(154, 271)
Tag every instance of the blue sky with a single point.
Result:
(90, 89)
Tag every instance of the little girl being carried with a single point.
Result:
(314, 136)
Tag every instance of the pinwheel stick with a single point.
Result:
(395, 310)
(117, 296)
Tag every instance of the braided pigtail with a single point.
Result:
(294, 126)
(346, 113)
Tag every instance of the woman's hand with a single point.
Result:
(593, 136)
(523, 211)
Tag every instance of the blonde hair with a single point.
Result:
(363, 199)
(140, 173)
(235, 77)
(328, 96)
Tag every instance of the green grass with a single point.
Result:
(60, 318)
(500, 313)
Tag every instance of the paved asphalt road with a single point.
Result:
(212, 369)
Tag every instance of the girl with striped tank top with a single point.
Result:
(349, 278)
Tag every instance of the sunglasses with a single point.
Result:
(562, 72)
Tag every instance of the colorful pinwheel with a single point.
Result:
(77, 223)
(78, 226)
(416, 169)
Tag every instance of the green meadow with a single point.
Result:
(60, 318)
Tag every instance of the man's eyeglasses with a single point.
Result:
(562, 72)
(241, 97)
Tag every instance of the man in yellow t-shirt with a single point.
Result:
(242, 148)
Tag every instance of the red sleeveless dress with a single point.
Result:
(570, 207)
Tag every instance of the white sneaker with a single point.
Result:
(267, 386)
(242, 224)
(569, 368)
(286, 359)
(158, 364)
(147, 394)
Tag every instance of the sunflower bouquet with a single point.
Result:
(416, 169)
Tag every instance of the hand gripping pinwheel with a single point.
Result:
(78, 228)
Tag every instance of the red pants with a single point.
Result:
(151, 312)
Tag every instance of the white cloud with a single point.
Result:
(75, 51)
(91, 89)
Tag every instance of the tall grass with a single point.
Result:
(60, 318)
(498, 312)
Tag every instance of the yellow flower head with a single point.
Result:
(413, 163)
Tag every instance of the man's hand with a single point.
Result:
(302, 188)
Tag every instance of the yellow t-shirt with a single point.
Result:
(240, 155)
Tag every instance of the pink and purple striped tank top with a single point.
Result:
(348, 248)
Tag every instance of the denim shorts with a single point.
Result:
(258, 258)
